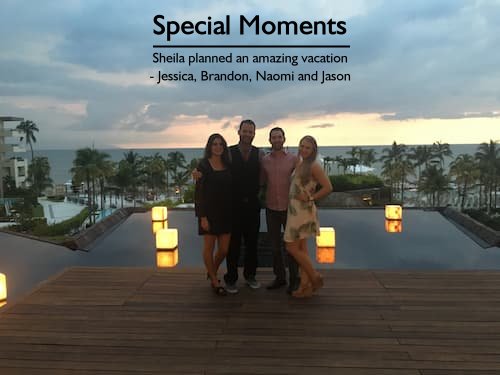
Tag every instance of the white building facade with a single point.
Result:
(10, 164)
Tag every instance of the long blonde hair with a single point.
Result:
(305, 173)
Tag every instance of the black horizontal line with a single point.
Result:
(252, 46)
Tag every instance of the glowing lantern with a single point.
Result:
(167, 259)
(3, 288)
(325, 255)
(393, 226)
(157, 225)
(166, 239)
(159, 213)
(393, 212)
(326, 237)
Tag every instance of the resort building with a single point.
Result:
(10, 164)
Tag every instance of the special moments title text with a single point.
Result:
(247, 25)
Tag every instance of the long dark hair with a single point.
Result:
(208, 148)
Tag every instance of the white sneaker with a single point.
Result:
(252, 283)
(231, 288)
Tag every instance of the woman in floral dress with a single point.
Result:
(302, 217)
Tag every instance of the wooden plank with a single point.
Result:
(128, 320)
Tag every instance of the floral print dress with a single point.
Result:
(302, 217)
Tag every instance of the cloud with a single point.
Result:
(441, 116)
(321, 126)
(84, 66)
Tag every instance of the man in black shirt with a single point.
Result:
(245, 169)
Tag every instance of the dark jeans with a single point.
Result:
(275, 221)
(246, 225)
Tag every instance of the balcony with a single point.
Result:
(7, 133)
(6, 147)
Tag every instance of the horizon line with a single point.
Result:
(260, 146)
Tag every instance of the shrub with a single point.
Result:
(38, 211)
(56, 198)
(167, 202)
(189, 194)
(62, 228)
(355, 182)
(483, 217)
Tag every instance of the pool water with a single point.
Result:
(428, 241)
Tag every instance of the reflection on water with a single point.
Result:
(393, 226)
(167, 258)
(429, 242)
(104, 214)
(325, 255)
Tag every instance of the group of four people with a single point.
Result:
(228, 181)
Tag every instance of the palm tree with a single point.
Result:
(85, 169)
(421, 156)
(176, 160)
(155, 168)
(327, 160)
(39, 174)
(193, 164)
(105, 170)
(123, 177)
(393, 154)
(367, 156)
(396, 166)
(354, 159)
(134, 161)
(465, 171)
(342, 162)
(434, 182)
(404, 168)
(440, 150)
(29, 128)
(488, 156)
(180, 180)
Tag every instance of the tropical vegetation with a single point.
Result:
(432, 172)
(28, 129)
(424, 175)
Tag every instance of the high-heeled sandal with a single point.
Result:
(219, 289)
(318, 283)
(305, 291)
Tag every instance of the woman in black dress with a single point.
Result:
(213, 206)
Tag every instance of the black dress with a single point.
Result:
(213, 199)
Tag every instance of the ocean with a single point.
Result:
(61, 161)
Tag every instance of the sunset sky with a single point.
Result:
(421, 71)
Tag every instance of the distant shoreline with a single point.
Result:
(261, 146)
(61, 161)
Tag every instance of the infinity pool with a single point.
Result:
(428, 242)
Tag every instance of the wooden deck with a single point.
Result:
(148, 321)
